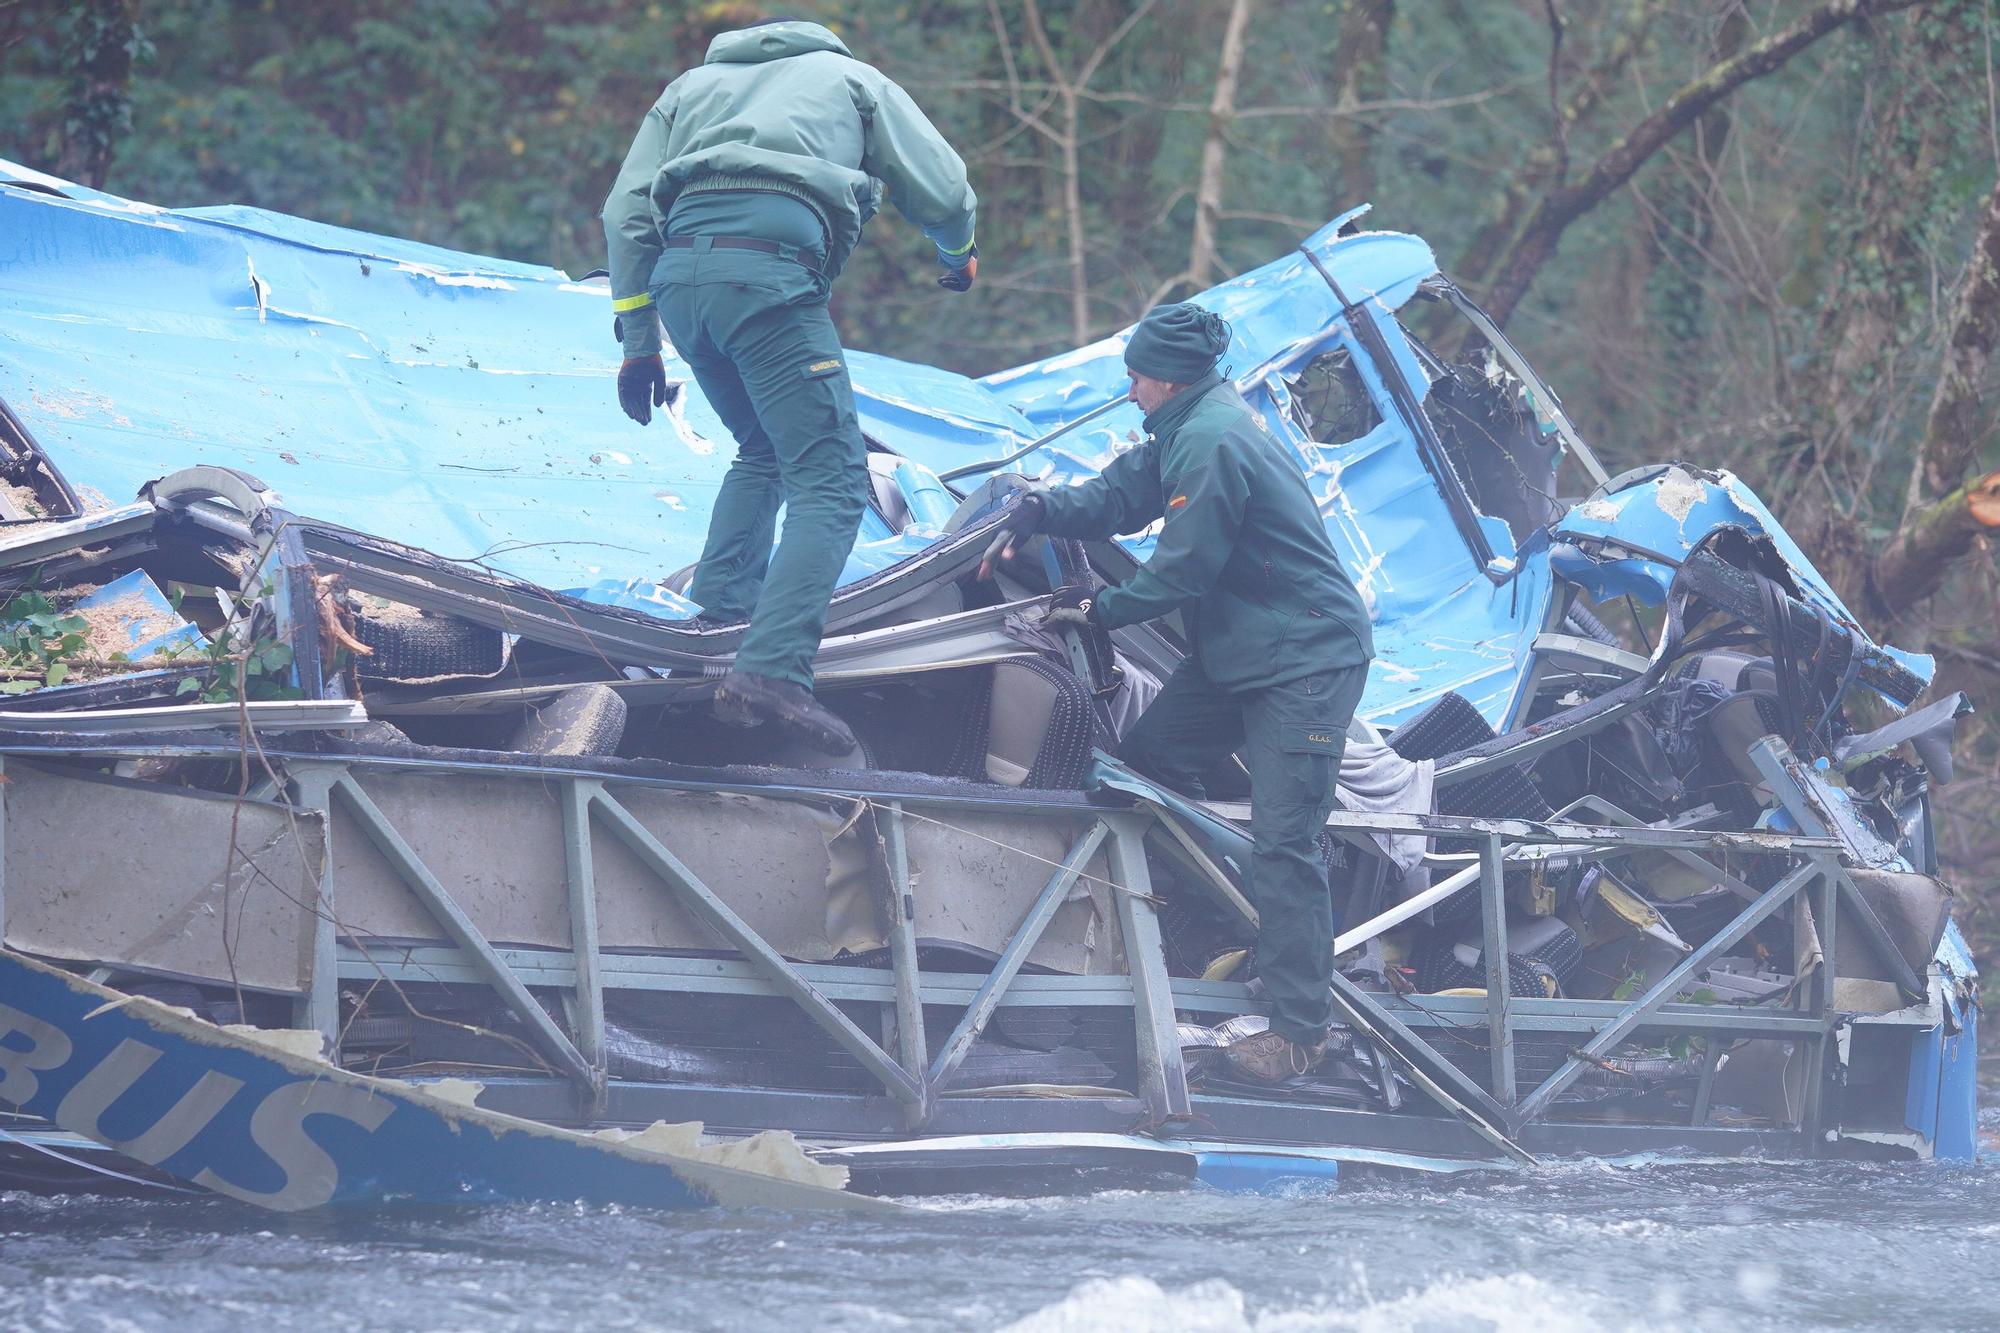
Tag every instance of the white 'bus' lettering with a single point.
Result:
(97, 1091)
(48, 1048)
(278, 1127)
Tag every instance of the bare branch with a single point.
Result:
(1280, 219)
(1475, 264)
(1536, 243)
(1104, 48)
(1067, 93)
(1558, 126)
(1933, 539)
(1933, 536)
(1145, 102)
(1360, 62)
(1072, 188)
(1221, 108)
(1957, 423)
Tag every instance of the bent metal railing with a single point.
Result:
(589, 803)
(914, 1076)
(902, 1065)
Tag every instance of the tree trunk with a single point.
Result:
(1072, 179)
(103, 40)
(1360, 60)
(1934, 536)
(1932, 540)
(1536, 243)
(1958, 423)
(1215, 149)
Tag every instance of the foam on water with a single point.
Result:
(1508, 1303)
(1737, 1248)
(1139, 1302)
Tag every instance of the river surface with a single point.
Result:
(1584, 1247)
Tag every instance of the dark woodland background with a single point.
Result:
(1754, 234)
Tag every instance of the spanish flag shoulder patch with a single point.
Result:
(1178, 502)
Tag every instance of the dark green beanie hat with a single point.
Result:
(1179, 343)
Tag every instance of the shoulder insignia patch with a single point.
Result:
(1178, 502)
(816, 369)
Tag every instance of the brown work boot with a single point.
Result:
(1270, 1057)
(745, 700)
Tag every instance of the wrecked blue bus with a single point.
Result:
(360, 778)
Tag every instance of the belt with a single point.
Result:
(727, 243)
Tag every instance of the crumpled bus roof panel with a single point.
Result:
(465, 405)
(454, 402)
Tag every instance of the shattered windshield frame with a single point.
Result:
(1543, 399)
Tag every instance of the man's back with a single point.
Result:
(1281, 575)
(784, 106)
(806, 104)
(741, 197)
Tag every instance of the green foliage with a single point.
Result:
(99, 41)
(38, 643)
(41, 645)
(253, 670)
(238, 665)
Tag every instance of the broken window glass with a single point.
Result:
(1502, 430)
(1329, 401)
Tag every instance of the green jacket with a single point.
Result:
(1243, 543)
(781, 107)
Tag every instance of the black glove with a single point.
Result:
(960, 279)
(1023, 521)
(642, 386)
(1072, 605)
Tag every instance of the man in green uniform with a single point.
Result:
(1281, 643)
(741, 199)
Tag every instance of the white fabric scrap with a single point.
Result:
(1375, 780)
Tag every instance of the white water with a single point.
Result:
(1735, 1249)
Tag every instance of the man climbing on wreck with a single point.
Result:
(1281, 643)
(739, 202)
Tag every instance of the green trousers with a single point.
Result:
(1291, 736)
(755, 331)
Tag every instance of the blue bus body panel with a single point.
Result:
(246, 1120)
(465, 405)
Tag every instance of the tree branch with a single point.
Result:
(1122, 97)
(1221, 108)
(1067, 92)
(1934, 536)
(1558, 127)
(1475, 264)
(1104, 48)
(1957, 423)
(1072, 185)
(1536, 243)
(1360, 65)
(1931, 540)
